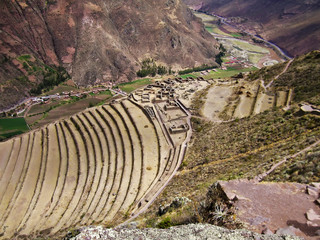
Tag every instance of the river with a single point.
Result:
(280, 51)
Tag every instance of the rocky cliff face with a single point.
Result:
(96, 41)
(293, 25)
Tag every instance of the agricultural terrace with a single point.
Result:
(131, 86)
(101, 166)
(44, 113)
(225, 101)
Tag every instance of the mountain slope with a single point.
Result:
(302, 75)
(293, 25)
(250, 146)
(95, 41)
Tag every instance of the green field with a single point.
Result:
(250, 47)
(209, 29)
(10, 127)
(236, 35)
(131, 86)
(227, 73)
(205, 17)
(194, 75)
(211, 26)
(106, 92)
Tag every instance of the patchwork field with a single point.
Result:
(42, 114)
(12, 126)
(211, 24)
(240, 46)
(230, 100)
(100, 166)
(131, 86)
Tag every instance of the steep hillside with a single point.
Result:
(95, 41)
(293, 25)
(96, 167)
(303, 75)
(247, 147)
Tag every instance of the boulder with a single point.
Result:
(267, 231)
(316, 185)
(312, 191)
(292, 231)
(312, 215)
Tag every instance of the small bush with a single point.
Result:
(165, 223)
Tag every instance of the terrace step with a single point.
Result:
(35, 214)
(92, 168)
(12, 159)
(135, 186)
(127, 163)
(120, 164)
(5, 156)
(164, 176)
(24, 198)
(132, 177)
(82, 185)
(50, 178)
(112, 164)
(95, 148)
(101, 140)
(71, 180)
(91, 158)
(150, 146)
(42, 150)
(15, 179)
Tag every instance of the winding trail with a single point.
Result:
(225, 21)
(284, 70)
(260, 177)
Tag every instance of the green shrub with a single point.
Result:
(165, 223)
(150, 68)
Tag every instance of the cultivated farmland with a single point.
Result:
(12, 126)
(100, 166)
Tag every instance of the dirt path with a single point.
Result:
(260, 177)
(284, 70)
(217, 121)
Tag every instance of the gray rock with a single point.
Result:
(312, 191)
(312, 224)
(267, 231)
(192, 232)
(288, 231)
(316, 185)
(317, 233)
(138, 238)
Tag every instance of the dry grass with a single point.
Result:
(240, 149)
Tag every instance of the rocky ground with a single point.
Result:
(290, 208)
(191, 232)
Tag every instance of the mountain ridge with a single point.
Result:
(293, 25)
(96, 41)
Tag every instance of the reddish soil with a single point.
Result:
(273, 206)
